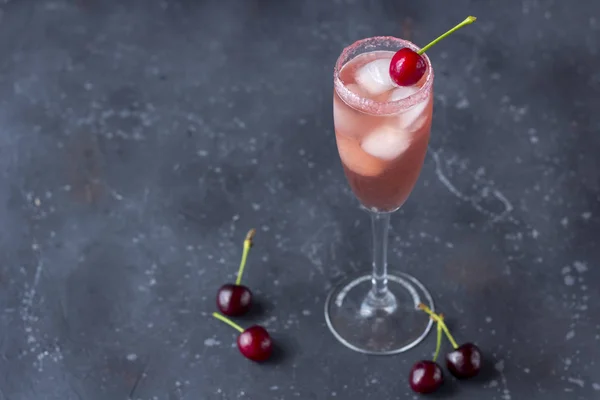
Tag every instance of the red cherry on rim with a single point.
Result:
(255, 343)
(234, 300)
(465, 361)
(426, 377)
(407, 67)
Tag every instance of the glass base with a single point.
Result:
(383, 325)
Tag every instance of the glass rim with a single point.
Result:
(371, 106)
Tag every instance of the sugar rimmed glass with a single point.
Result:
(377, 313)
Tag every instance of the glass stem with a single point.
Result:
(380, 224)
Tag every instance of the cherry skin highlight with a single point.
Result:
(255, 343)
(465, 361)
(234, 300)
(407, 67)
(426, 377)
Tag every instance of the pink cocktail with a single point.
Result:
(381, 130)
(382, 133)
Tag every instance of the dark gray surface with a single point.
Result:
(139, 141)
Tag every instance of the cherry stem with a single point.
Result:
(467, 21)
(247, 246)
(228, 322)
(438, 344)
(440, 320)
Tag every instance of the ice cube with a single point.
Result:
(414, 117)
(350, 122)
(385, 143)
(356, 89)
(355, 158)
(403, 92)
(374, 77)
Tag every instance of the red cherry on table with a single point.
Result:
(407, 67)
(465, 361)
(255, 343)
(426, 377)
(234, 300)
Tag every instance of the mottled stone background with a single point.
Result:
(140, 140)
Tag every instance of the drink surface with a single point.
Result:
(382, 155)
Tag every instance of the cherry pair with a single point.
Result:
(236, 299)
(463, 362)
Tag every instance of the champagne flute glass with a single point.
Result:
(382, 133)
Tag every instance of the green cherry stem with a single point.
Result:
(247, 246)
(228, 322)
(440, 321)
(438, 344)
(467, 21)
